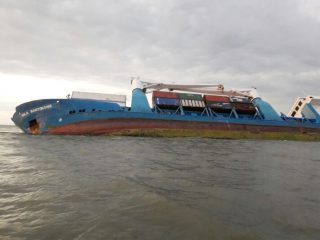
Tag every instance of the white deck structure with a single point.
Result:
(120, 99)
(297, 108)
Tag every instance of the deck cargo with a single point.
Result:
(244, 107)
(192, 103)
(218, 99)
(161, 94)
(190, 96)
(167, 101)
(219, 105)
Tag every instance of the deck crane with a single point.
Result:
(217, 89)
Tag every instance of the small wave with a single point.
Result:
(9, 128)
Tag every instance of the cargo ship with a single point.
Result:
(159, 109)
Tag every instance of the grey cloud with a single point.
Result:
(239, 43)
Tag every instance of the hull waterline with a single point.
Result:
(160, 128)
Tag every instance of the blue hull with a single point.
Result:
(54, 116)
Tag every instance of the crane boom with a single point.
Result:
(217, 89)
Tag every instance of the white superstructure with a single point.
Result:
(121, 99)
(296, 109)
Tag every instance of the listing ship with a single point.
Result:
(173, 110)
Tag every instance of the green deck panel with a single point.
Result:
(190, 96)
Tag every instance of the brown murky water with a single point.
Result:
(66, 187)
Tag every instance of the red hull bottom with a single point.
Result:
(179, 128)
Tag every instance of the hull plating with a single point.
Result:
(144, 127)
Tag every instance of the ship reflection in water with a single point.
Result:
(77, 187)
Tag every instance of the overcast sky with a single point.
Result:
(50, 47)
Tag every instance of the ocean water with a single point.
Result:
(80, 187)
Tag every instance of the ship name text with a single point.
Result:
(38, 109)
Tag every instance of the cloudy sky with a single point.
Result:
(50, 47)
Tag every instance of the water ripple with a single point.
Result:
(78, 187)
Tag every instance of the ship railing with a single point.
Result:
(167, 110)
(206, 112)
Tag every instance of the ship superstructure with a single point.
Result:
(306, 107)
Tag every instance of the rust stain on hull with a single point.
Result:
(181, 128)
